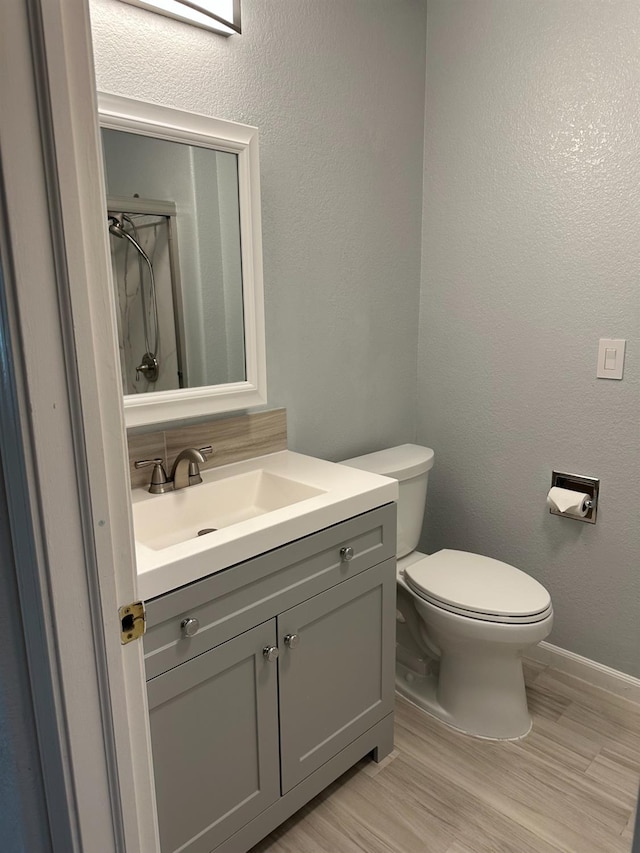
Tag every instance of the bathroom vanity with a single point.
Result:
(270, 677)
(269, 585)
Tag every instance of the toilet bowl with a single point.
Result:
(463, 620)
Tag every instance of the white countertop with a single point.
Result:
(345, 492)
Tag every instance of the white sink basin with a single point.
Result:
(210, 506)
(249, 507)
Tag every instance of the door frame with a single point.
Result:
(63, 440)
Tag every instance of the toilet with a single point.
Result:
(463, 620)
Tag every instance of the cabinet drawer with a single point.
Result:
(236, 599)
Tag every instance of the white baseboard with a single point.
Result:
(589, 670)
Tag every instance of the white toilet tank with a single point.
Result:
(410, 465)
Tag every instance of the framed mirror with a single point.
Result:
(183, 218)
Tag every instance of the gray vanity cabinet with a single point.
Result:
(242, 739)
(214, 731)
(337, 680)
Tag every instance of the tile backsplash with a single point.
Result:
(232, 438)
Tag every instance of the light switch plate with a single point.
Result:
(610, 358)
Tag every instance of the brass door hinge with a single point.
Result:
(132, 621)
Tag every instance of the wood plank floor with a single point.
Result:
(570, 786)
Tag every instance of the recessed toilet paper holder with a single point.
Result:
(577, 483)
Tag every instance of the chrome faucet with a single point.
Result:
(185, 471)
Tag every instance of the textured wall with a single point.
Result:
(337, 90)
(532, 253)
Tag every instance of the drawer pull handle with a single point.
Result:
(270, 653)
(292, 640)
(190, 627)
(346, 554)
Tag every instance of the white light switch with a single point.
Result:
(610, 358)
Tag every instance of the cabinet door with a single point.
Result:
(214, 736)
(338, 679)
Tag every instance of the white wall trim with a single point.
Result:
(595, 673)
(106, 502)
(64, 438)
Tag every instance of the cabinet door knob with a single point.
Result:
(190, 627)
(346, 554)
(270, 653)
(292, 640)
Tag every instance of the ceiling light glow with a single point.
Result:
(220, 16)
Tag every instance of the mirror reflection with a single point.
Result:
(174, 225)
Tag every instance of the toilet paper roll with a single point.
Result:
(568, 502)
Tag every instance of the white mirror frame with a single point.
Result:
(156, 407)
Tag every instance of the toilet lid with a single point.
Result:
(480, 585)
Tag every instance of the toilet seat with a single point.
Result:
(478, 587)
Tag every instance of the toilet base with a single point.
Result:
(421, 690)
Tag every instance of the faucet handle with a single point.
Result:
(208, 449)
(159, 483)
(142, 463)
